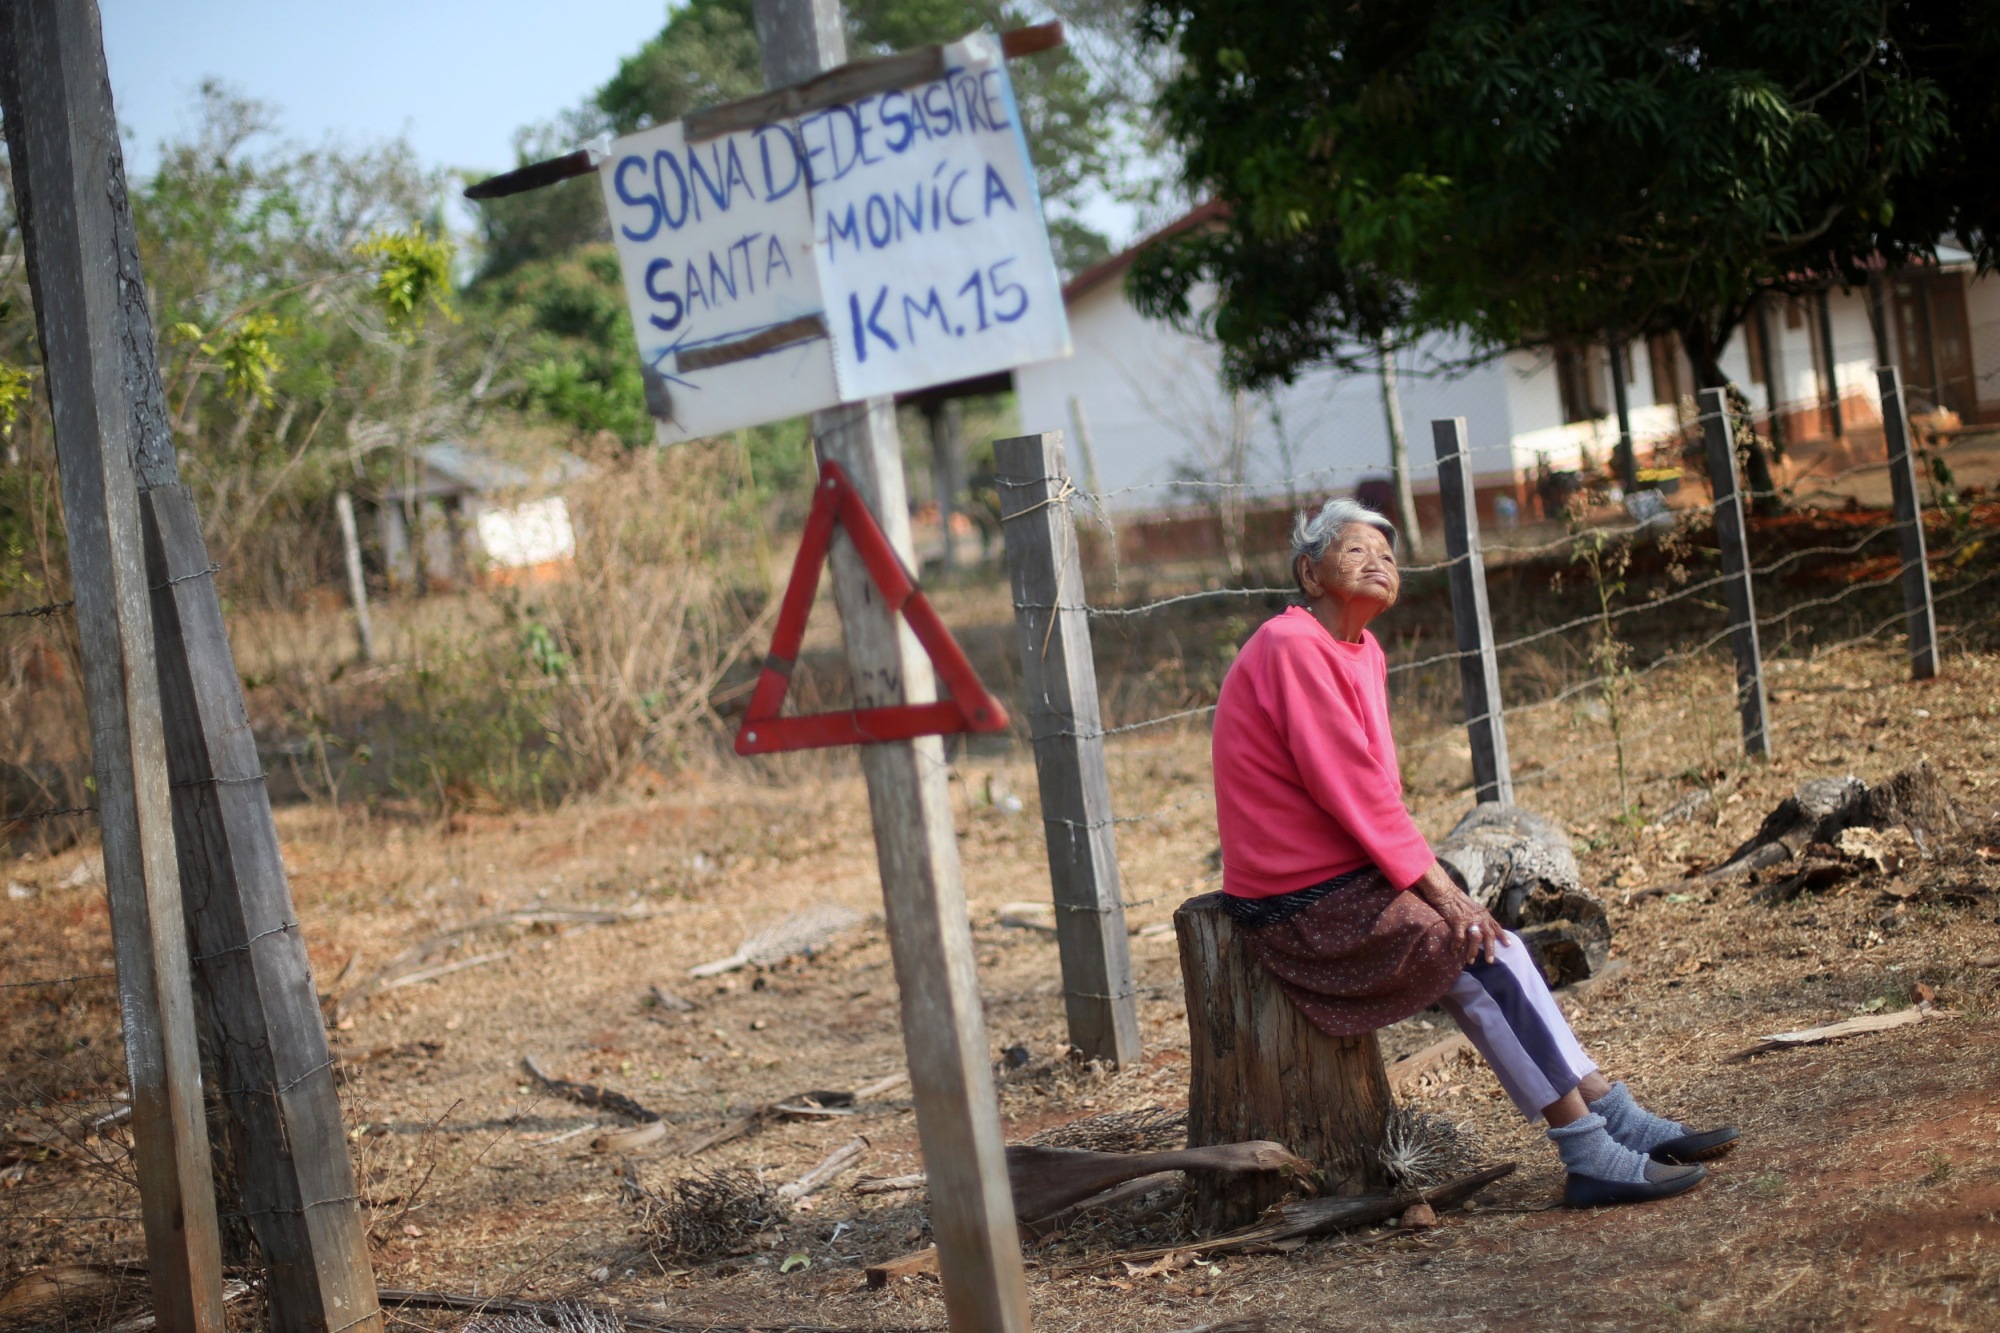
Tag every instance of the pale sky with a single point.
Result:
(456, 78)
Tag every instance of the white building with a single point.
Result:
(477, 518)
(1160, 422)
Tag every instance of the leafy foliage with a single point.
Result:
(413, 274)
(243, 352)
(706, 54)
(1529, 171)
(16, 388)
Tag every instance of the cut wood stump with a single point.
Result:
(1261, 1070)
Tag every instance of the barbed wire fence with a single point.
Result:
(1647, 683)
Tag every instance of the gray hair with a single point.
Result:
(1312, 532)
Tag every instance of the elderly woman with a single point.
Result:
(1339, 895)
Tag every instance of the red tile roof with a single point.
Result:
(1104, 270)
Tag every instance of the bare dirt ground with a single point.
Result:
(1866, 1193)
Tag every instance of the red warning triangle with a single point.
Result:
(970, 707)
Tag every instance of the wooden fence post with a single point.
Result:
(1059, 676)
(259, 1008)
(63, 148)
(1909, 525)
(1478, 663)
(916, 846)
(357, 584)
(1719, 434)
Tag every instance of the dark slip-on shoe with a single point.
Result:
(1697, 1147)
(1661, 1182)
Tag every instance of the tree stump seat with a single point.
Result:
(1261, 1070)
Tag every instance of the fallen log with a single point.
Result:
(907, 1265)
(1403, 1075)
(1047, 1180)
(1521, 867)
(1050, 1181)
(588, 1094)
(835, 1162)
(546, 1311)
(1316, 1217)
(1115, 1197)
(1821, 809)
(1504, 856)
(1785, 1041)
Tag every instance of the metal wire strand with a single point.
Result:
(38, 612)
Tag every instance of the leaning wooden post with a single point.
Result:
(1259, 1069)
(916, 847)
(1059, 676)
(1478, 663)
(357, 585)
(1909, 525)
(259, 1008)
(1731, 536)
(63, 147)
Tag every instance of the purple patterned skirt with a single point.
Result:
(1353, 953)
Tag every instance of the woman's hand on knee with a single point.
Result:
(1473, 929)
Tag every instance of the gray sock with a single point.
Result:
(1587, 1150)
(1632, 1124)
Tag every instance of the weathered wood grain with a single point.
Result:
(1472, 622)
(1921, 616)
(916, 845)
(1718, 433)
(1261, 1070)
(69, 186)
(1059, 681)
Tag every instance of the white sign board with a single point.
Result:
(869, 248)
(715, 241)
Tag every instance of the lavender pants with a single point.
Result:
(1506, 1010)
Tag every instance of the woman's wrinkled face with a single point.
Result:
(1357, 565)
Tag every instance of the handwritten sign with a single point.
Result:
(861, 249)
(715, 241)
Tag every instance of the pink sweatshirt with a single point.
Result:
(1306, 783)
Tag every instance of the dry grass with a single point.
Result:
(710, 1211)
(1866, 1177)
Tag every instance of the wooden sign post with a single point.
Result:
(168, 721)
(944, 1030)
(63, 146)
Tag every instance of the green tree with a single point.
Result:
(547, 273)
(1532, 172)
(304, 298)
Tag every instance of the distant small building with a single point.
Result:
(1168, 435)
(471, 517)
